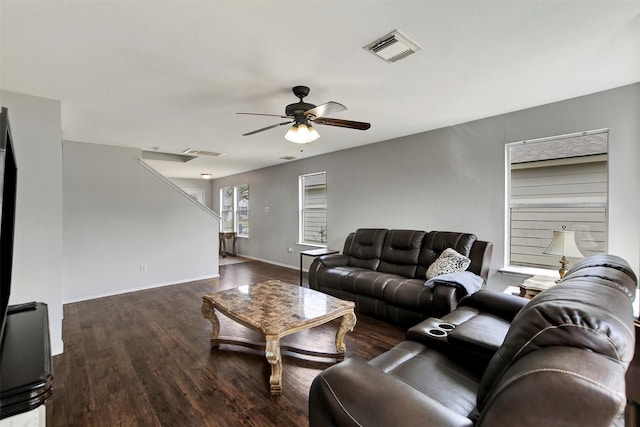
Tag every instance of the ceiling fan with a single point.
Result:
(303, 114)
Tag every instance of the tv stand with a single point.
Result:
(25, 362)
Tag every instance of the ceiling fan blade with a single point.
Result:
(342, 123)
(325, 109)
(267, 128)
(262, 114)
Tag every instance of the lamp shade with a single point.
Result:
(301, 133)
(564, 244)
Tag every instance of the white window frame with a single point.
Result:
(234, 211)
(224, 210)
(302, 232)
(517, 269)
(240, 229)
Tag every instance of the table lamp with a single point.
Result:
(564, 244)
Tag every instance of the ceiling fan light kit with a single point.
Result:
(303, 114)
(301, 134)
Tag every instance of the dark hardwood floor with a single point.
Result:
(143, 359)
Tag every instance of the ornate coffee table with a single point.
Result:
(278, 309)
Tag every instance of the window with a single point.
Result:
(242, 210)
(226, 209)
(553, 182)
(234, 209)
(313, 209)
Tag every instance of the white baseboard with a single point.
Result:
(268, 261)
(141, 288)
(57, 347)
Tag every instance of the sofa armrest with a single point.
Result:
(499, 304)
(445, 299)
(320, 265)
(335, 260)
(354, 393)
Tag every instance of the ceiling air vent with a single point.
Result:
(393, 47)
(195, 152)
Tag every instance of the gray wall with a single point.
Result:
(204, 184)
(37, 264)
(446, 179)
(118, 216)
(115, 216)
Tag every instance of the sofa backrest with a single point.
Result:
(568, 349)
(435, 242)
(400, 252)
(364, 247)
(394, 251)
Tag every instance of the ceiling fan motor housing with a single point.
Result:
(297, 109)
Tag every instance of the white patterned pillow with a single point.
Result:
(449, 261)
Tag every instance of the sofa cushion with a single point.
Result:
(369, 283)
(354, 393)
(408, 293)
(449, 261)
(364, 247)
(336, 277)
(432, 373)
(435, 242)
(400, 252)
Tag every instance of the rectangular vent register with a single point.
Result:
(393, 47)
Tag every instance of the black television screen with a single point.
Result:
(8, 178)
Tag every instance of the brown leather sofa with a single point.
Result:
(561, 362)
(384, 272)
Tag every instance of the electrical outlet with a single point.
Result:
(290, 250)
(143, 268)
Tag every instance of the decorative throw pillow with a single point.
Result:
(449, 261)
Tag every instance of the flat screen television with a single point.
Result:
(8, 179)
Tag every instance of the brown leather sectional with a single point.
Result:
(499, 360)
(384, 272)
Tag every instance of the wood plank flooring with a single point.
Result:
(143, 359)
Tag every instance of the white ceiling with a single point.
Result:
(173, 74)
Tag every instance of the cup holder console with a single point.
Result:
(437, 328)
(446, 326)
(437, 332)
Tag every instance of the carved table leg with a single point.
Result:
(272, 352)
(348, 322)
(208, 312)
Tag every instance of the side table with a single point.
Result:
(315, 253)
(223, 243)
(536, 284)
